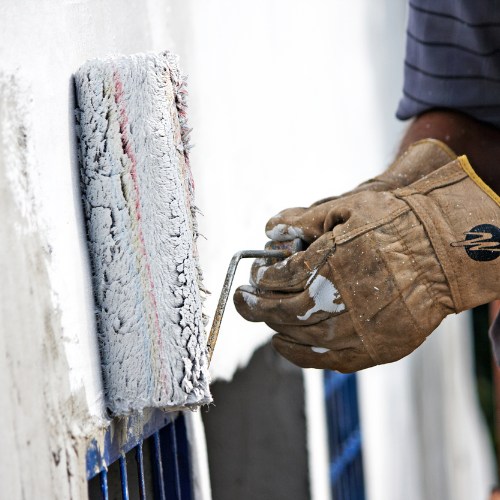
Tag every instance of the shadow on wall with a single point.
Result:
(256, 432)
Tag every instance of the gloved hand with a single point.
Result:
(390, 267)
(421, 158)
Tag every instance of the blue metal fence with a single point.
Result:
(148, 458)
(153, 463)
(346, 461)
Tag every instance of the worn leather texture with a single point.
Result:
(421, 158)
(387, 270)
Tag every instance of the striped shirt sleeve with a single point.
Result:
(453, 58)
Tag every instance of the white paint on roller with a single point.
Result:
(324, 295)
(138, 199)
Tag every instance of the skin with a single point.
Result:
(465, 135)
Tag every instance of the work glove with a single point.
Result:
(308, 224)
(388, 269)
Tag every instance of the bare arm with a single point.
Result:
(464, 135)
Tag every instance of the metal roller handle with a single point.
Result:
(286, 249)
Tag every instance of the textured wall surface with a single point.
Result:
(50, 378)
(40, 416)
(274, 96)
(291, 101)
(44, 43)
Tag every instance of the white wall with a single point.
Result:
(44, 43)
(270, 81)
(286, 107)
(278, 91)
(49, 371)
(276, 104)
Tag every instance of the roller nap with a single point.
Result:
(141, 226)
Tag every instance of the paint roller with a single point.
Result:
(138, 200)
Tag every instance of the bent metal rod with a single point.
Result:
(276, 250)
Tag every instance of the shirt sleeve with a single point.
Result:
(453, 59)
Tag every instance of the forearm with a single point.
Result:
(465, 135)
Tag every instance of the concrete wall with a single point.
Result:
(39, 414)
(278, 90)
(290, 102)
(50, 383)
(282, 100)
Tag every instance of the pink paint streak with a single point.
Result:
(123, 122)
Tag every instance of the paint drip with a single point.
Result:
(324, 295)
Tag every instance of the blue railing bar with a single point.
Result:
(351, 448)
(101, 456)
(159, 466)
(350, 403)
(123, 477)
(103, 479)
(334, 381)
(175, 454)
(358, 479)
(139, 456)
(93, 460)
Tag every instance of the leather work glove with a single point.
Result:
(390, 267)
(308, 224)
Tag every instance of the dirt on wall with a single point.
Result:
(43, 424)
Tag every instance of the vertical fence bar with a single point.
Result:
(175, 454)
(183, 459)
(346, 473)
(166, 471)
(160, 481)
(123, 477)
(103, 479)
(139, 456)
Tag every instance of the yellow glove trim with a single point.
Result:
(467, 167)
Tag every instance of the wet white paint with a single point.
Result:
(282, 263)
(320, 350)
(284, 232)
(260, 274)
(261, 271)
(324, 295)
(313, 274)
(248, 294)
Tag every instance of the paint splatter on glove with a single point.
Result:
(391, 267)
(421, 158)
